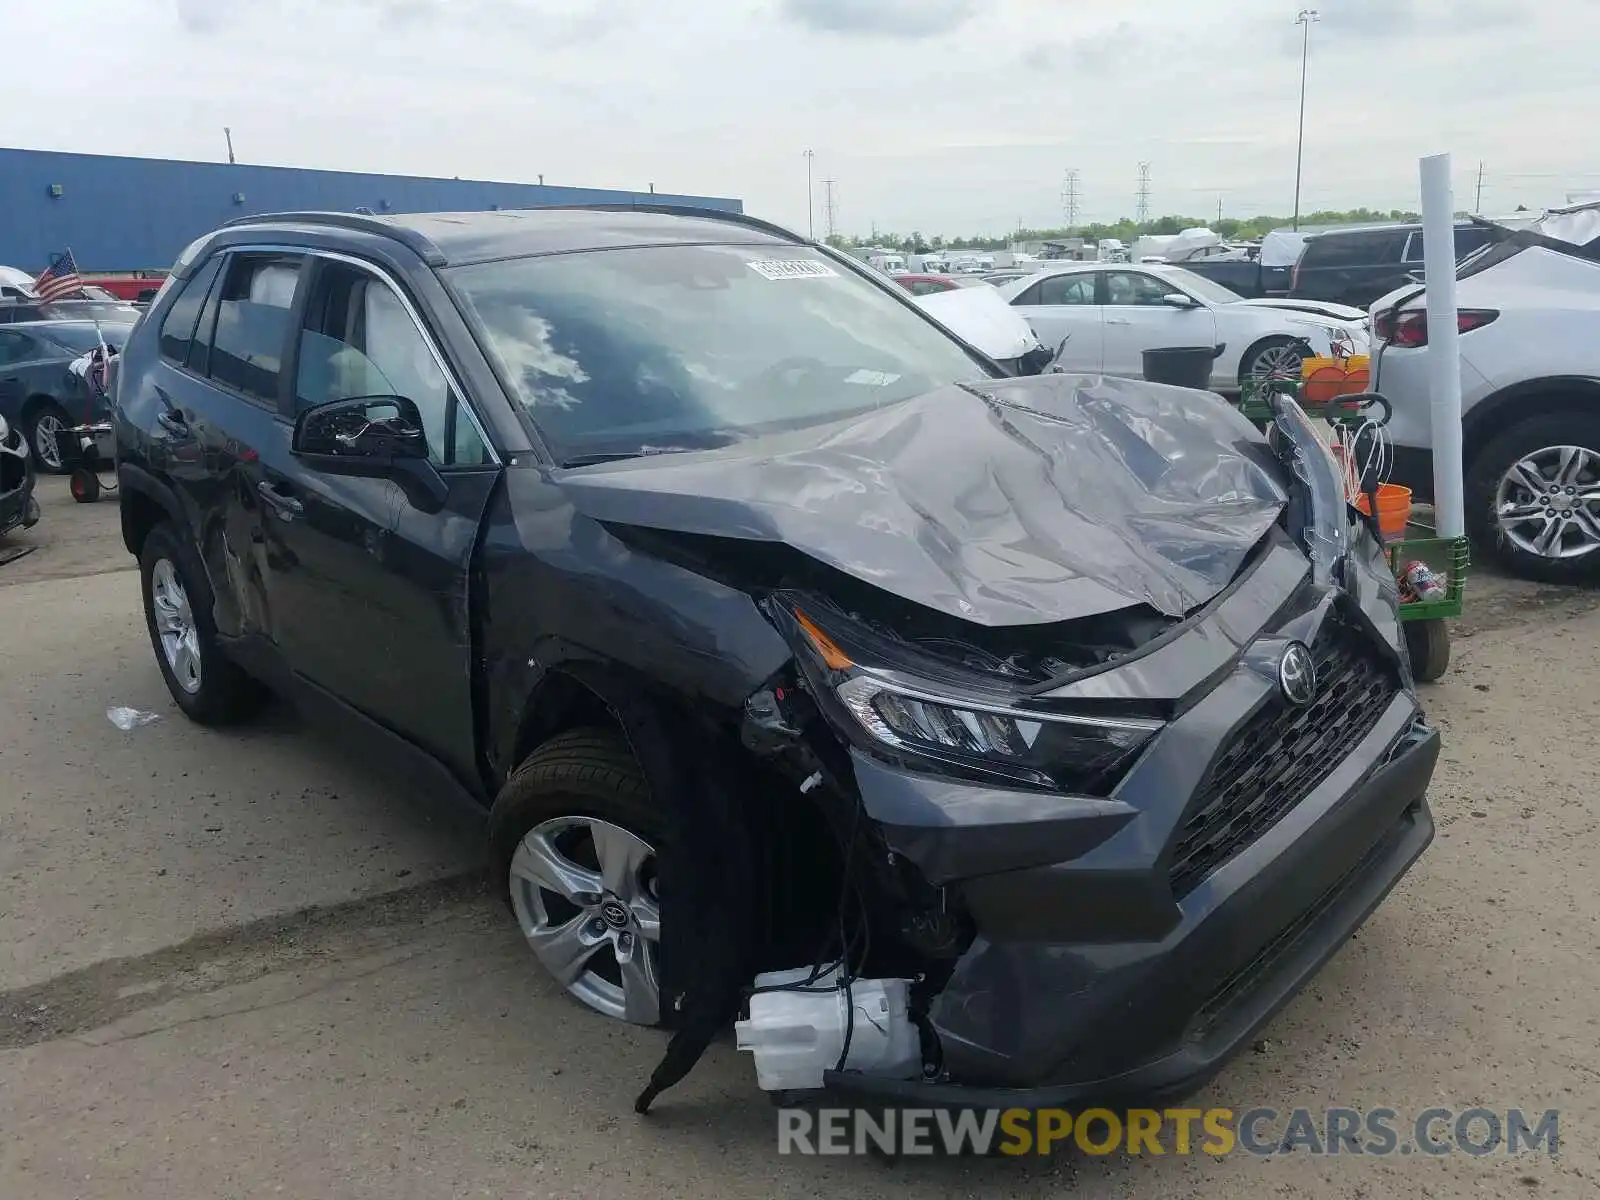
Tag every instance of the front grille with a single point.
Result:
(1282, 754)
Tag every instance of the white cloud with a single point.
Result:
(941, 115)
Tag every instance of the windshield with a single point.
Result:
(617, 352)
(1200, 287)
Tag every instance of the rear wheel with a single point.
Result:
(1533, 498)
(575, 838)
(209, 687)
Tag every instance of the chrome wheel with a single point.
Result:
(1548, 503)
(1280, 361)
(180, 641)
(584, 892)
(48, 429)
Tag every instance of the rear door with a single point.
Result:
(368, 595)
(1063, 307)
(1137, 318)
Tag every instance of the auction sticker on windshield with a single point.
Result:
(791, 268)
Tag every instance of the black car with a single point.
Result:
(1357, 266)
(771, 626)
(39, 396)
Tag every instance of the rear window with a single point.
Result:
(1374, 249)
(252, 323)
(177, 330)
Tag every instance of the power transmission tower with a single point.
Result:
(1144, 193)
(1069, 198)
(1478, 208)
(830, 210)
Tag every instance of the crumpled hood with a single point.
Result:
(1017, 502)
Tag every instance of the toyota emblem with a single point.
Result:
(1297, 675)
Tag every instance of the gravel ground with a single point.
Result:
(246, 965)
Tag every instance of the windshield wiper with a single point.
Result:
(610, 456)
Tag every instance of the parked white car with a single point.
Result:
(1108, 316)
(1528, 308)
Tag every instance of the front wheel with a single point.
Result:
(575, 840)
(1533, 498)
(1272, 359)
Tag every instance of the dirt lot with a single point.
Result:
(244, 964)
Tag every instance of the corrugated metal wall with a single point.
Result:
(124, 214)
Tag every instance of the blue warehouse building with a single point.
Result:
(130, 214)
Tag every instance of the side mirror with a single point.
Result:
(374, 437)
(1178, 300)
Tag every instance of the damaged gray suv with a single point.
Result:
(1031, 740)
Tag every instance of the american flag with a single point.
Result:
(59, 279)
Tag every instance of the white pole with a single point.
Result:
(1444, 355)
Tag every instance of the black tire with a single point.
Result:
(581, 773)
(1428, 643)
(1489, 466)
(85, 486)
(225, 694)
(52, 410)
(1248, 362)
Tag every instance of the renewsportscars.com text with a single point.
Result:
(1265, 1132)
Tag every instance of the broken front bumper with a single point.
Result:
(1099, 972)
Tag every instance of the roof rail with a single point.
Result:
(686, 210)
(424, 247)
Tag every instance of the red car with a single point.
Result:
(135, 287)
(926, 285)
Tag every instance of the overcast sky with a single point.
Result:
(946, 116)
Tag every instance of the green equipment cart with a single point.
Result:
(1427, 635)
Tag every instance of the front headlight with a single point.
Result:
(934, 727)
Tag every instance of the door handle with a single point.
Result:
(287, 508)
(1118, 321)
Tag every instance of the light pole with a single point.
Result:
(1307, 18)
(811, 224)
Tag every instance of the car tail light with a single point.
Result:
(1410, 329)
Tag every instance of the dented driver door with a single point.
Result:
(368, 594)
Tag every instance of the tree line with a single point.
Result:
(1126, 230)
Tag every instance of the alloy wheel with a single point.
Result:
(174, 620)
(1548, 502)
(1276, 362)
(585, 895)
(47, 433)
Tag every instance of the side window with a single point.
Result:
(1028, 296)
(177, 331)
(1135, 288)
(12, 348)
(359, 340)
(1067, 289)
(1470, 238)
(1342, 250)
(252, 321)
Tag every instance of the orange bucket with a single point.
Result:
(1326, 379)
(1394, 509)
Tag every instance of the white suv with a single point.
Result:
(1529, 314)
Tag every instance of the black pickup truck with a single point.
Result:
(1244, 275)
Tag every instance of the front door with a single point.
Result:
(369, 596)
(1138, 318)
